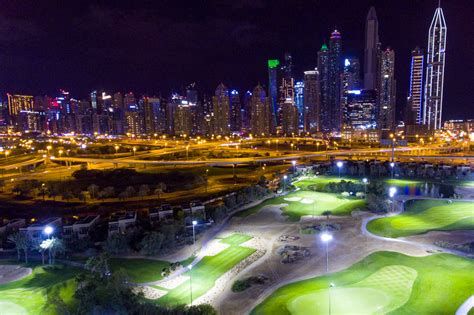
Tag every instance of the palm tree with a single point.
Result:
(57, 246)
(160, 188)
(41, 249)
(22, 241)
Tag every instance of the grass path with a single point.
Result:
(382, 282)
(421, 216)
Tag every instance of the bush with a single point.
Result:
(240, 285)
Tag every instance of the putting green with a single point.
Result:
(9, 308)
(319, 182)
(383, 291)
(422, 216)
(383, 282)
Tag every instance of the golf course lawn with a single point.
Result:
(421, 216)
(139, 270)
(29, 295)
(207, 271)
(383, 282)
(403, 182)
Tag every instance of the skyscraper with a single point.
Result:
(360, 110)
(323, 69)
(235, 112)
(289, 118)
(221, 109)
(435, 60)
(371, 50)
(260, 112)
(415, 96)
(335, 65)
(311, 101)
(387, 90)
(273, 87)
(350, 79)
(287, 87)
(299, 101)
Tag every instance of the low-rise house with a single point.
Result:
(120, 222)
(11, 225)
(80, 228)
(166, 212)
(37, 230)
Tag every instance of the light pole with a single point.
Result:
(187, 151)
(194, 234)
(294, 166)
(116, 149)
(391, 192)
(392, 165)
(134, 149)
(190, 267)
(339, 166)
(284, 183)
(326, 238)
(48, 230)
(365, 181)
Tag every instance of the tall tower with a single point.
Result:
(370, 52)
(335, 67)
(415, 96)
(323, 68)
(221, 109)
(273, 87)
(387, 90)
(311, 101)
(260, 112)
(287, 87)
(235, 112)
(435, 60)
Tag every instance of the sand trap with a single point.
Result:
(293, 199)
(307, 201)
(10, 273)
(173, 282)
(150, 293)
(213, 248)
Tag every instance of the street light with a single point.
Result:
(339, 166)
(48, 230)
(284, 183)
(326, 238)
(392, 165)
(116, 149)
(391, 193)
(294, 165)
(194, 234)
(134, 149)
(365, 181)
(60, 153)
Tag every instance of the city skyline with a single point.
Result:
(17, 81)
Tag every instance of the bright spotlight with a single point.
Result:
(326, 237)
(392, 191)
(48, 230)
(339, 164)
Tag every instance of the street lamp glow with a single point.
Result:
(339, 164)
(392, 165)
(48, 230)
(365, 180)
(195, 222)
(326, 237)
(285, 177)
(293, 162)
(392, 191)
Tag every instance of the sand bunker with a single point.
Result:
(293, 199)
(10, 273)
(214, 247)
(172, 283)
(151, 293)
(307, 201)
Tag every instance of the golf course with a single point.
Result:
(29, 295)
(383, 282)
(421, 216)
(203, 275)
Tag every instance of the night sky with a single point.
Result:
(160, 46)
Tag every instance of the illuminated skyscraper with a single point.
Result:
(289, 118)
(259, 112)
(360, 110)
(221, 110)
(435, 60)
(415, 96)
(335, 66)
(16, 105)
(323, 69)
(311, 101)
(299, 101)
(387, 90)
(287, 87)
(350, 79)
(273, 87)
(183, 118)
(371, 50)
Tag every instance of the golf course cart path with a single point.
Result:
(10, 273)
(400, 205)
(466, 306)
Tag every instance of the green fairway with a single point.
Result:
(422, 216)
(139, 270)
(383, 282)
(207, 271)
(29, 295)
(403, 182)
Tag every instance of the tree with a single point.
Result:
(93, 189)
(144, 190)
(117, 243)
(22, 242)
(151, 243)
(160, 188)
(327, 213)
(67, 195)
(57, 247)
(99, 264)
(130, 191)
(41, 249)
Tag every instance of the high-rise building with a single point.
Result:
(174, 100)
(371, 50)
(311, 101)
(415, 96)
(360, 110)
(350, 79)
(235, 112)
(183, 118)
(221, 109)
(134, 123)
(335, 66)
(247, 111)
(323, 69)
(435, 61)
(287, 87)
(299, 102)
(273, 87)
(16, 105)
(154, 115)
(387, 91)
(289, 118)
(260, 112)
